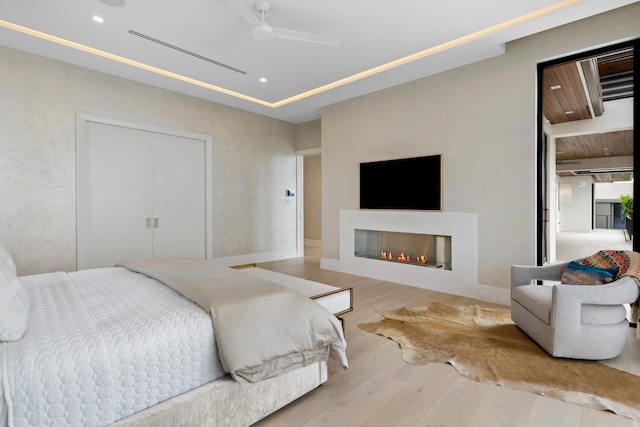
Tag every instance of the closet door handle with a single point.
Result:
(155, 222)
(148, 222)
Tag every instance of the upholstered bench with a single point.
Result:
(337, 300)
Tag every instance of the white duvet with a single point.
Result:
(91, 357)
(263, 329)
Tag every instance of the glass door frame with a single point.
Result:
(541, 146)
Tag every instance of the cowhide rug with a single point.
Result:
(484, 345)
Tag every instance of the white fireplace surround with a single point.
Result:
(461, 280)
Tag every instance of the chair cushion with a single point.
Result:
(536, 299)
(577, 273)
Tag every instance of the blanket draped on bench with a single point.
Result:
(262, 328)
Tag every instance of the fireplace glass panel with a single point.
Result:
(426, 250)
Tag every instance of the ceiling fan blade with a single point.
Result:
(244, 11)
(305, 37)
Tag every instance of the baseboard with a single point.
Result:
(256, 257)
(313, 243)
(494, 294)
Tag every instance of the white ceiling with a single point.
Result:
(442, 35)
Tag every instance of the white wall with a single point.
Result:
(482, 118)
(308, 135)
(611, 191)
(253, 159)
(575, 195)
(313, 198)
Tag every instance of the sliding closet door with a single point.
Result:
(141, 195)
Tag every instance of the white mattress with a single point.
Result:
(100, 345)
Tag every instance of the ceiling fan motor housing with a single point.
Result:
(262, 32)
(262, 6)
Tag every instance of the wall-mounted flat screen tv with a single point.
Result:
(404, 184)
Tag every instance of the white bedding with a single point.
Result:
(263, 329)
(102, 359)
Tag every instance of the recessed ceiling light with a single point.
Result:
(98, 19)
(568, 112)
(263, 79)
(556, 87)
(442, 47)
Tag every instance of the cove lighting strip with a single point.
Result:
(341, 82)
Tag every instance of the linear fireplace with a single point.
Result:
(423, 250)
(448, 241)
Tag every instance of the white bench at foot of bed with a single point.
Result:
(337, 300)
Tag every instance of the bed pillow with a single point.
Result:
(580, 274)
(14, 305)
(5, 258)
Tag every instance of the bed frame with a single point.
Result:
(226, 402)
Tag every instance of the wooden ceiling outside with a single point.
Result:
(610, 144)
(594, 146)
(571, 96)
(569, 101)
(615, 67)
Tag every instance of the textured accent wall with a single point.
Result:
(482, 119)
(253, 159)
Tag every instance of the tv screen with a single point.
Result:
(407, 184)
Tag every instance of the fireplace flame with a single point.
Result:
(419, 259)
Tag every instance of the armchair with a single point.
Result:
(573, 321)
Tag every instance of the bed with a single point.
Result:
(134, 345)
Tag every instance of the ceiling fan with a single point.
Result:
(263, 31)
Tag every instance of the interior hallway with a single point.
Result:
(570, 246)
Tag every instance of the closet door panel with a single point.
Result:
(175, 149)
(175, 237)
(129, 203)
(180, 229)
(178, 204)
(178, 197)
(178, 177)
(117, 141)
(141, 194)
(119, 240)
(118, 172)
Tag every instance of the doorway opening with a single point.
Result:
(309, 202)
(587, 152)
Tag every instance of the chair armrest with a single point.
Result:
(567, 300)
(525, 274)
(622, 291)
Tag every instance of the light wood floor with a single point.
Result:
(380, 389)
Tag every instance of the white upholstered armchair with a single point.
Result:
(573, 321)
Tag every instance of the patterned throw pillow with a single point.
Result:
(610, 259)
(14, 304)
(581, 274)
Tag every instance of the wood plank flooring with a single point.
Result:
(380, 389)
